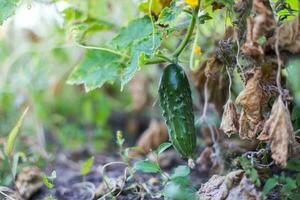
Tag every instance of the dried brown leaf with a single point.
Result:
(232, 186)
(204, 161)
(245, 190)
(213, 67)
(279, 130)
(217, 85)
(258, 26)
(252, 99)
(288, 36)
(251, 47)
(156, 134)
(218, 187)
(28, 181)
(229, 122)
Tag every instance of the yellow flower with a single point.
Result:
(192, 3)
(197, 50)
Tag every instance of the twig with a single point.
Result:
(7, 196)
(230, 83)
(278, 76)
(103, 172)
(203, 116)
(297, 131)
(237, 59)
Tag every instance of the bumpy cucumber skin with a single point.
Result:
(176, 103)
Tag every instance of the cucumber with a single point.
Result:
(176, 103)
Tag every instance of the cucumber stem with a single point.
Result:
(187, 37)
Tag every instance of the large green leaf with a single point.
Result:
(136, 30)
(82, 30)
(145, 47)
(7, 9)
(97, 68)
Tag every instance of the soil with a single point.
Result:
(71, 185)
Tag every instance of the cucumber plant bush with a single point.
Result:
(253, 61)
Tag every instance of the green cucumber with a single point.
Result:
(176, 103)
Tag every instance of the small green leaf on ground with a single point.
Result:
(162, 147)
(48, 181)
(146, 166)
(181, 171)
(173, 190)
(293, 164)
(250, 171)
(269, 185)
(86, 166)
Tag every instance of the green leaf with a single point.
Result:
(156, 6)
(181, 171)
(136, 30)
(87, 28)
(13, 135)
(261, 40)
(269, 185)
(16, 159)
(48, 181)
(97, 68)
(288, 187)
(203, 18)
(7, 9)
(293, 164)
(145, 47)
(250, 171)
(162, 147)
(175, 191)
(86, 166)
(298, 179)
(169, 14)
(146, 166)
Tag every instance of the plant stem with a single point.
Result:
(102, 49)
(155, 61)
(185, 41)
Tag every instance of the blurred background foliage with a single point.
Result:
(39, 47)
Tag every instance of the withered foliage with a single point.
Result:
(258, 26)
(279, 130)
(252, 99)
(217, 85)
(28, 181)
(288, 35)
(234, 185)
(156, 134)
(230, 120)
(204, 161)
